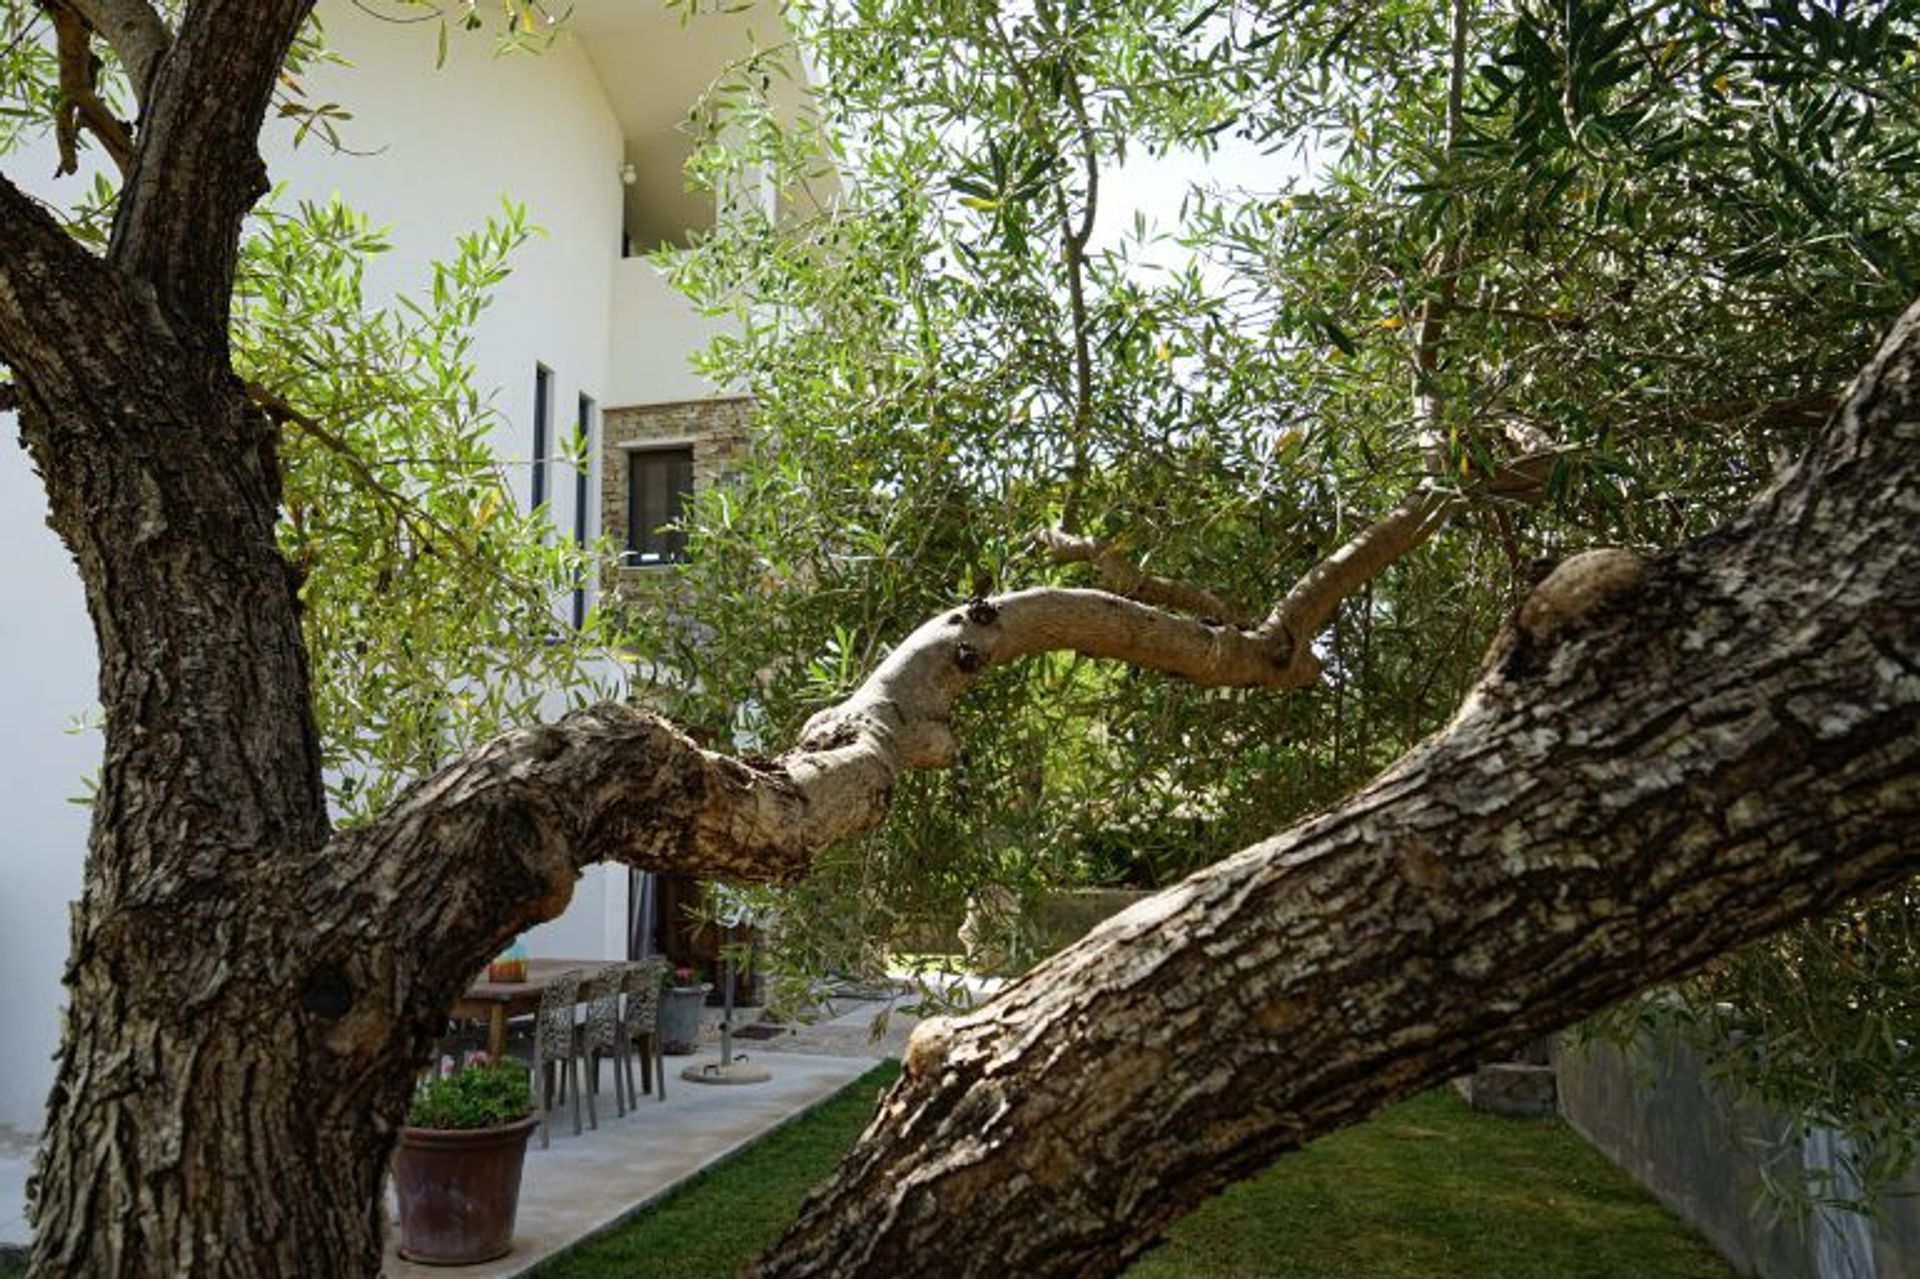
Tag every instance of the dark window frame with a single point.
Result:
(671, 465)
(583, 439)
(542, 427)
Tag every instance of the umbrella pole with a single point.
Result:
(727, 1070)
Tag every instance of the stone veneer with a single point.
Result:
(717, 430)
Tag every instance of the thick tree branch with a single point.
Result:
(622, 785)
(1668, 758)
(492, 844)
(51, 290)
(197, 168)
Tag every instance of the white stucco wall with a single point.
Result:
(442, 149)
(654, 333)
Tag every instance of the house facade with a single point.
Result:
(584, 336)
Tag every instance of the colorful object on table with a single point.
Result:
(511, 965)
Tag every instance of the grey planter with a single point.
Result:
(680, 1012)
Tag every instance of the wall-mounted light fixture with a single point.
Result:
(628, 174)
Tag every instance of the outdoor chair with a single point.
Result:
(549, 1043)
(599, 1035)
(641, 1029)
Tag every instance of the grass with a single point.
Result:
(1429, 1190)
(1432, 1190)
(716, 1223)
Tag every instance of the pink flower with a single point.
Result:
(477, 1057)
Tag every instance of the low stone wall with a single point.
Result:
(1654, 1111)
(1068, 916)
(997, 938)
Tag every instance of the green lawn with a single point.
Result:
(1428, 1190)
(1431, 1190)
(715, 1223)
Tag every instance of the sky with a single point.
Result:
(1156, 186)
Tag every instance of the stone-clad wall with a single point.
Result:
(717, 429)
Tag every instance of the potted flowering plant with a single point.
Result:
(456, 1171)
(680, 1010)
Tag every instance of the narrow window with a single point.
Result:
(583, 452)
(658, 482)
(542, 430)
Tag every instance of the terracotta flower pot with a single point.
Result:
(459, 1189)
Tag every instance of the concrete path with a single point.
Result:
(583, 1185)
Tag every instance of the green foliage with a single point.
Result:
(428, 597)
(28, 75)
(479, 1094)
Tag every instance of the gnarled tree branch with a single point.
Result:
(197, 168)
(568, 783)
(134, 29)
(52, 289)
(1300, 614)
(492, 844)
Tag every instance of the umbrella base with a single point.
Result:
(735, 1072)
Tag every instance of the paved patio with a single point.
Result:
(583, 1185)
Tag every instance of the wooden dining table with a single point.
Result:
(496, 1002)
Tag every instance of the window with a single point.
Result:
(583, 441)
(542, 430)
(658, 482)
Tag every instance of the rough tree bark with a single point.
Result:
(1667, 758)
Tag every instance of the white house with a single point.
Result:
(585, 135)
